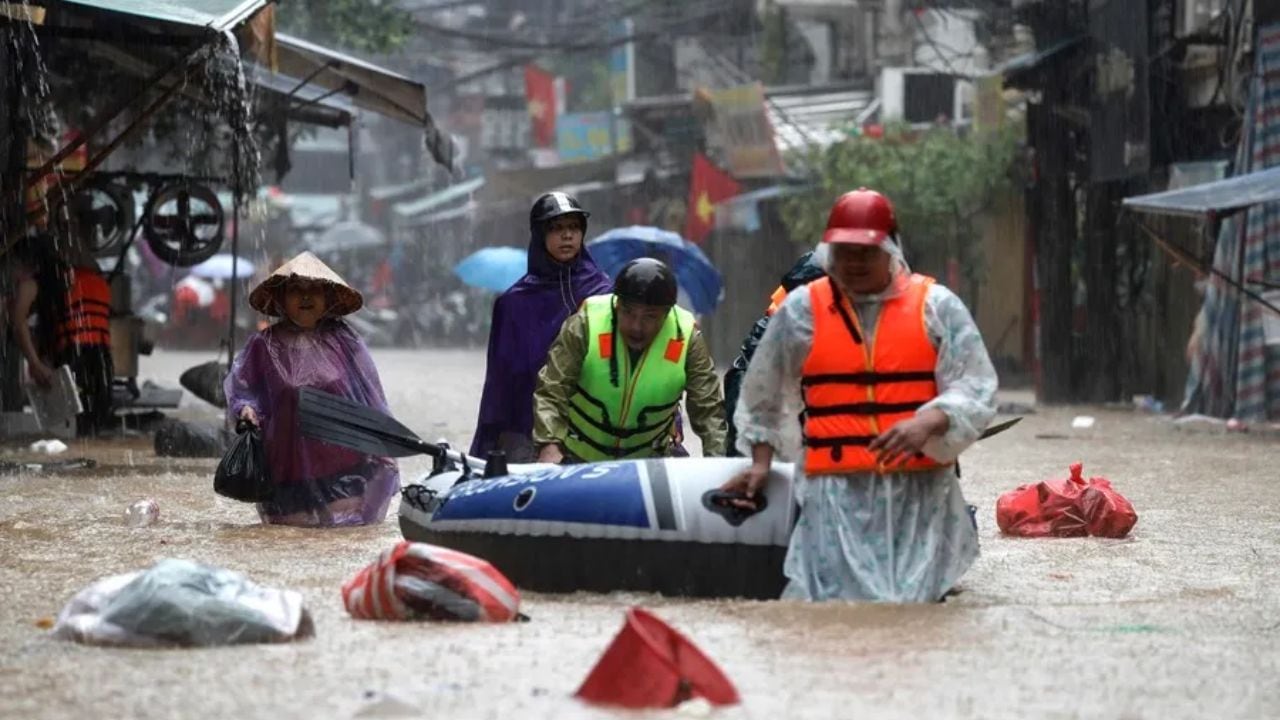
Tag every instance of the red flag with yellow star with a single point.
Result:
(545, 94)
(708, 185)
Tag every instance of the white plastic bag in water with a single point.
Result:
(179, 602)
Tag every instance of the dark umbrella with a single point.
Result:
(698, 278)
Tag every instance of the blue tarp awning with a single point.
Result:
(1213, 198)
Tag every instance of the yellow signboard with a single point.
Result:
(989, 110)
(740, 127)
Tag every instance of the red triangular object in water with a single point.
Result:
(651, 665)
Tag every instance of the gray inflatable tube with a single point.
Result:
(649, 526)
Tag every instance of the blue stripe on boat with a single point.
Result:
(602, 493)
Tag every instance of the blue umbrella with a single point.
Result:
(698, 278)
(493, 268)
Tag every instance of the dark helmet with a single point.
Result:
(646, 281)
(552, 205)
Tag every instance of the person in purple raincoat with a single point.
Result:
(315, 483)
(527, 318)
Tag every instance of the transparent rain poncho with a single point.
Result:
(894, 537)
(316, 484)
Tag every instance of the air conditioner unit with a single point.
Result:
(918, 95)
(1195, 15)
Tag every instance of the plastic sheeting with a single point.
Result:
(1234, 373)
(182, 603)
(316, 484)
(1221, 196)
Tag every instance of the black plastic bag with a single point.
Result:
(242, 474)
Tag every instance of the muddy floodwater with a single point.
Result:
(1181, 620)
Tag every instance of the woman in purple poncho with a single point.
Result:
(526, 319)
(316, 484)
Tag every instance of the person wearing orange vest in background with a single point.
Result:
(72, 301)
(800, 274)
(894, 382)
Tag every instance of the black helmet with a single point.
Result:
(646, 281)
(554, 204)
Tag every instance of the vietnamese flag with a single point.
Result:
(708, 185)
(545, 95)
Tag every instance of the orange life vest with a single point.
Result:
(86, 318)
(857, 387)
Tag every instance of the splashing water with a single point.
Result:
(212, 136)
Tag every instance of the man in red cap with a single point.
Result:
(894, 382)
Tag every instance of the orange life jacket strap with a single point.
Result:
(837, 444)
(862, 408)
(867, 378)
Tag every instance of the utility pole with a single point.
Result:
(1052, 128)
(1119, 152)
(1102, 370)
(893, 45)
(12, 167)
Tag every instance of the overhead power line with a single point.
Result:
(601, 43)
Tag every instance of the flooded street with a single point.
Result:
(1181, 620)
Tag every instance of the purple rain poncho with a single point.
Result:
(316, 484)
(526, 319)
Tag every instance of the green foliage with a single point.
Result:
(939, 182)
(373, 26)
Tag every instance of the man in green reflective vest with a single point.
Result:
(614, 376)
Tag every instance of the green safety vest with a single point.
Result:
(634, 419)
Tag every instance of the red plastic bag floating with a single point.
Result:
(1106, 511)
(651, 665)
(1070, 507)
(417, 581)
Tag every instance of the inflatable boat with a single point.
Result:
(648, 525)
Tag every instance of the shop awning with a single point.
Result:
(307, 104)
(383, 193)
(742, 211)
(369, 86)
(440, 198)
(217, 15)
(1213, 198)
(814, 116)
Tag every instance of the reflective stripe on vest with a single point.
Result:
(86, 317)
(857, 387)
(634, 419)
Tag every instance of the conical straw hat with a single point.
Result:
(266, 297)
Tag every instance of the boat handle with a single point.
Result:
(720, 502)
